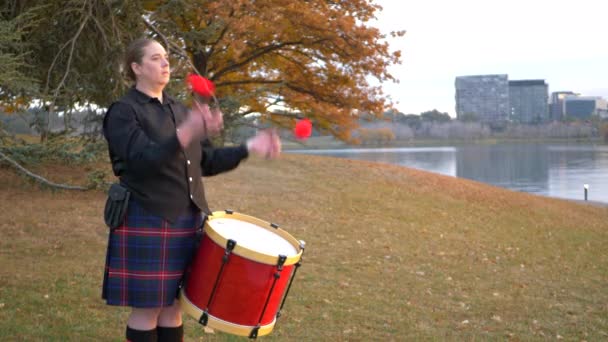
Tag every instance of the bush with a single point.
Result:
(378, 136)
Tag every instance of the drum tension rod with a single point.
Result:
(293, 275)
(277, 275)
(230, 244)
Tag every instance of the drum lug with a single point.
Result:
(254, 332)
(204, 318)
(274, 225)
(281, 262)
(229, 212)
(230, 244)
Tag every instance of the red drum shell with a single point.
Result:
(242, 289)
(245, 283)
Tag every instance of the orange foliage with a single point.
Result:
(313, 57)
(15, 104)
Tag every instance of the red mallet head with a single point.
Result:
(201, 86)
(303, 129)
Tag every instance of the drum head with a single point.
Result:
(253, 237)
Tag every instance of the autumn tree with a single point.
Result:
(311, 57)
(278, 58)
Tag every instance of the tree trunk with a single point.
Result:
(199, 60)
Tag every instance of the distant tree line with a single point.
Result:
(436, 125)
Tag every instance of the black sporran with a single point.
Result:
(116, 205)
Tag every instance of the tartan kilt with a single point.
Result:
(147, 257)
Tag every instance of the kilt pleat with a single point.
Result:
(147, 257)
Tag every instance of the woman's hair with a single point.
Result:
(135, 53)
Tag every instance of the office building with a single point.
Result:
(484, 96)
(584, 107)
(528, 100)
(557, 105)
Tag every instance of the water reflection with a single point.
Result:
(517, 167)
(545, 169)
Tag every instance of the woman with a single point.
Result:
(160, 152)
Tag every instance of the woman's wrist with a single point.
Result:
(184, 136)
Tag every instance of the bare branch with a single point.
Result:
(69, 64)
(40, 178)
(48, 74)
(102, 31)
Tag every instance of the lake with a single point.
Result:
(555, 170)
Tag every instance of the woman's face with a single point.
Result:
(153, 70)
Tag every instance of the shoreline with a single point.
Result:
(328, 142)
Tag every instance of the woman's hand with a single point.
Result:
(266, 144)
(213, 118)
(201, 122)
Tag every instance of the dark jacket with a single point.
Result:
(147, 157)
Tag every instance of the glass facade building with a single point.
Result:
(485, 97)
(528, 100)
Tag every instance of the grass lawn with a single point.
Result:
(392, 254)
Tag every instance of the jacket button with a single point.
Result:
(190, 179)
(188, 161)
(191, 196)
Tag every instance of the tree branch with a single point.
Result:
(260, 52)
(255, 81)
(317, 96)
(254, 55)
(293, 61)
(40, 178)
(72, 41)
(221, 36)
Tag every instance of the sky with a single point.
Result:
(563, 42)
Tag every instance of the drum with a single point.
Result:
(241, 274)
